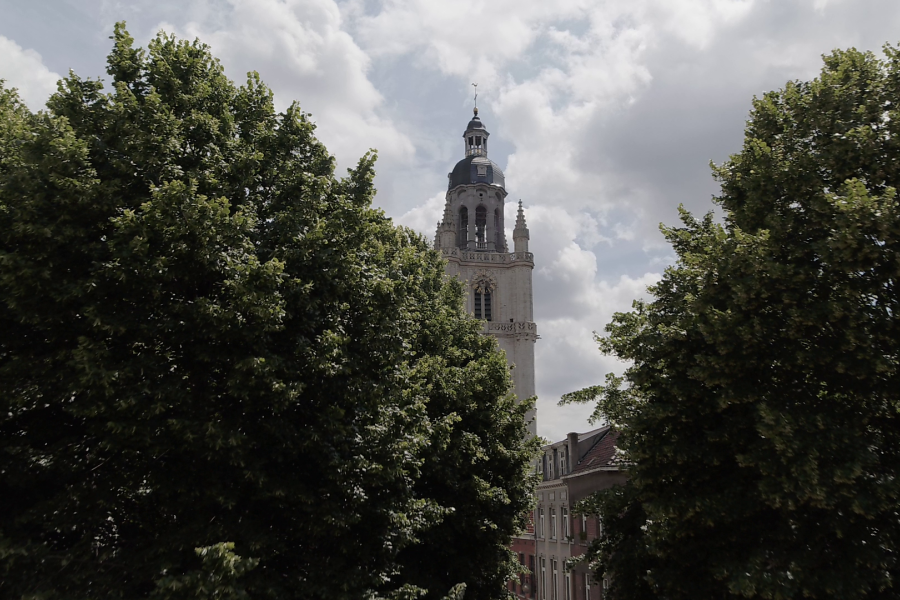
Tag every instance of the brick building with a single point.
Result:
(571, 470)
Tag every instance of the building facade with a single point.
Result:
(472, 237)
(571, 470)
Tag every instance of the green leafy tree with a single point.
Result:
(473, 475)
(759, 416)
(223, 374)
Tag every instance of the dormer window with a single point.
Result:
(482, 170)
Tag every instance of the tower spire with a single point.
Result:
(475, 85)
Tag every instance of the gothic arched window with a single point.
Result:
(483, 305)
(483, 301)
(462, 232)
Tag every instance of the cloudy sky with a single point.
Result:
(604, 114)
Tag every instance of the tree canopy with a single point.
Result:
(759, 415)
(222, 372)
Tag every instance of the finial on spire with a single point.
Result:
(475, 85)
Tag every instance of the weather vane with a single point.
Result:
(475, 85)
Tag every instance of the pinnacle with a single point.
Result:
(520, 217)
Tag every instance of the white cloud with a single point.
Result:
(301, 50)
(425, 217)
(467, 38)
(572, 302)
(567, 357)
(25, 70)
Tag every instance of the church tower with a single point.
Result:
(472, 238)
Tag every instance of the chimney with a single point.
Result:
(573, 450)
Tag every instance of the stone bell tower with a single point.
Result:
(472, 238)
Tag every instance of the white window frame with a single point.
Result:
(568, 595)
(552, 523)
(587, 586)
(565, 518)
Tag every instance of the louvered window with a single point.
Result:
(483, 305)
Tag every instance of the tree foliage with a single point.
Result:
(760, 413)
(223, 374)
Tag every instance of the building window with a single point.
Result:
(568, 595)
(550, 466)
(584, 525)
(482, 170)
(483, 309)
(565, 520)
(531, 575)
(541, 520)
(554, 584)
(483, 288)
(562, 464)
(587, 586)
(543, 577)
(552, 523)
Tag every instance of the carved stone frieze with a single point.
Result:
(519, 329)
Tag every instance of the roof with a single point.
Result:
(601, 454)
(475, 124)
(466, 172)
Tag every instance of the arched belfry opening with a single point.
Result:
(463, 229)
(480, 228)
(498, 231)
(477, 144)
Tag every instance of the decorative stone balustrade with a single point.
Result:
(488, 257)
